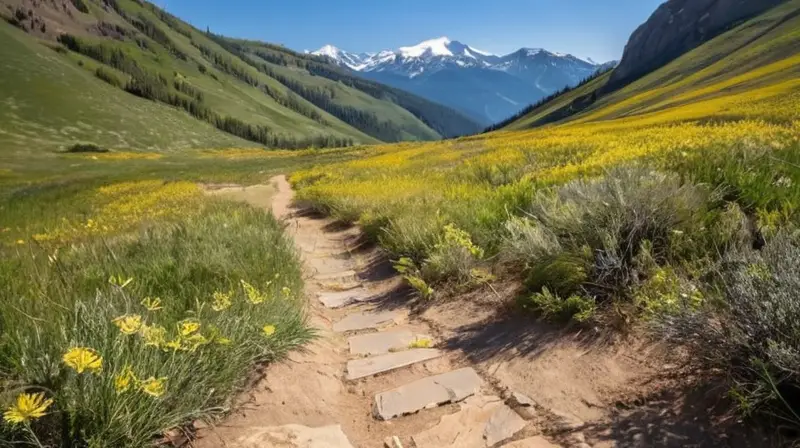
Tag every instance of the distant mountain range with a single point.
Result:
(484, 86)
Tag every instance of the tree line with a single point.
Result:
(156, 87)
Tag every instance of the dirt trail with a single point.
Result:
(381, 374)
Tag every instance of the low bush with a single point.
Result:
(553, 307)
(453, 258)
(86, 147)
(755, 337)
(610, 219)
(134, 334)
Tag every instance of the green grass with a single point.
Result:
(71, 222)
(56, 300)
(51, 103)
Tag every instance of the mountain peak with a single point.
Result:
(328, 50)
(436, 47)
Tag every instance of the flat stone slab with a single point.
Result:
(292, 436)
(340, 276)
(482, 422)
(383, 342)
(360, 368)
(362, 321)
(531, 442)
(503, 425)
(339, 299)
(450, 387)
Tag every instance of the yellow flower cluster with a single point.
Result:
(126, 380)
(397, 180)
(124, 205)
(117, 155)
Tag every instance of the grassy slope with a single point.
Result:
(64, 84)
(438, 118)
(50, 102)
(757, 54)
(348, 96)
(236, 98)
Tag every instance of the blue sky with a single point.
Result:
(585, 28)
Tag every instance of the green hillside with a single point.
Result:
(759, 53)
(104, 71)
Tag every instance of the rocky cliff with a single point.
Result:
(678, 26)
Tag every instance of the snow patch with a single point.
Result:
(482, 53)
(436, 47)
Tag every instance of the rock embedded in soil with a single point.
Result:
(360, 368)
(479, 418)
(450, 387)
(503, 425)
(343, 276)
(292, 436)
(363, 321)
(340, 299)
(380, 343)
(518, 399)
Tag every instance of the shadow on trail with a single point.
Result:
(510, 337)
(694, 415)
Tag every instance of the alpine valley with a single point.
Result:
(486, 87)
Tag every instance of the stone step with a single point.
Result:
(338, 299)
(482, 422)
(384, 342)
(360, 368)
(292, 436)
(363, 321)
(341, 277)
(450, 387)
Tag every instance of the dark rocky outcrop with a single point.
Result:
(676, 27)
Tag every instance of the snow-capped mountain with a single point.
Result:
(485, 86)
(353, 61)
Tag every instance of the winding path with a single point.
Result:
(373, 377)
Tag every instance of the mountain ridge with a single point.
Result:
(196, 78)
(484, 86)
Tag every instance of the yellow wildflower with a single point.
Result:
(26, 408)
(154, 387)
(222, 301)
(253, 295)
(222, 340)
(421, 343)
(20, 241)
(194, 341)
(152, 303)
(188, 326)
(124, 380)
(153, 335)
(129, 323)
(269, 330)
(286, 291)
(83, 359)
(174, 345)
(120, 281)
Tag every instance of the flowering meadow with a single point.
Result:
(675, 209)
(134, 307)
